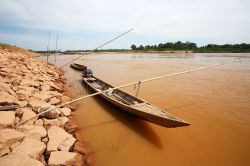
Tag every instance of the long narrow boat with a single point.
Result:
(132, 104)
(77, 66)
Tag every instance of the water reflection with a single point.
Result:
(138, 126)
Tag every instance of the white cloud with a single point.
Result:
(203, 21)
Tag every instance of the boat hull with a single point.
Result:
(78, 67)
(160, 118)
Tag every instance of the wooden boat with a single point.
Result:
(133, 104)
(77, 66)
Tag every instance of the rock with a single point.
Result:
(7, 89)
(45, 87)
(63, 121)
(7, 70)
(5, 151)
(1, 146)
(7, 118)
(36, 104)
(13, 146)
(16, 121)
(27, 114)
(65, 158)
(26, 88)
(43, 95)
(52, 114)
(46, 139)
(15, 88)
(32, 98)
(4, 85)
(19, 111)
(73, 107)
(90, 160)
(39, 122)
(51, 122)
(54, 101)
(31, 131)
(23, 95)
(30, 147)
(67, 144)
(82, 148)
(21, 103)
(56, 136)
(10, 136)
(71, 126)
(65, 111)
(30, 82)
(6, 98)
(19, 160)
(43, 160)
(54, 87)
(64, 99)
(54, 94)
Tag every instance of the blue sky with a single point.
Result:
(85, 24)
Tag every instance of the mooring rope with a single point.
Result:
(133, 83)
(98, 47)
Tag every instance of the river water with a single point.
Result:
(216, 102)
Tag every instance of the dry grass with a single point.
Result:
(14, 49)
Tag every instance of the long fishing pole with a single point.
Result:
(134, 83)
(98, 47)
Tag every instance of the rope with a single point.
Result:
(98, 47)
(133, 83)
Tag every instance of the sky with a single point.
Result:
(86, 24)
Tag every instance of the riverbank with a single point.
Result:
(29, 86)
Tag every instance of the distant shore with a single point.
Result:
(132, 52)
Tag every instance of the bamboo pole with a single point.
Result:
(56, 48)
(98, 47)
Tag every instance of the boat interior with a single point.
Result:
(116, 94)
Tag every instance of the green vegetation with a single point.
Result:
(189, 46)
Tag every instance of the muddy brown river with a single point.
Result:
(216, 102)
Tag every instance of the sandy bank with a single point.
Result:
(29, 86)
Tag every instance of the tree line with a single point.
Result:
(190, 46)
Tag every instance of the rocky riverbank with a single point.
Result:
(29, 86)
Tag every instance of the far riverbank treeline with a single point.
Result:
(190, 46)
